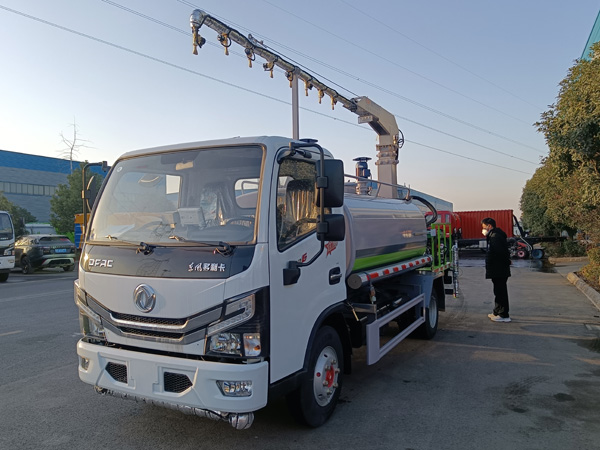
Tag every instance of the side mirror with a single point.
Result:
(332, 228)
(91, 192)
(332, 181)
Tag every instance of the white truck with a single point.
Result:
(217, 275)
(7, 246)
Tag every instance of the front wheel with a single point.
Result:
(3, 277)
(26, 265)
(316, 398)
(69, 268)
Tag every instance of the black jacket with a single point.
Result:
(497, 258)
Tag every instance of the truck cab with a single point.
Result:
(181, 282)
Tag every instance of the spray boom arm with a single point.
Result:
(380, 120)
(252, 47)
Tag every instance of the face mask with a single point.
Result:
(484, 232)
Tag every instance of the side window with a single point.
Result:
(296, 209)
(246, 193)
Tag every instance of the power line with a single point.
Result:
(161, 61)
(354, 44)
(373, 85)
(438, 54)
(467, 141)
(466, 157)
(406, 119)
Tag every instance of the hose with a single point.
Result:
(430, 206)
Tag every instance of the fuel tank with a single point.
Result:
(381, 231)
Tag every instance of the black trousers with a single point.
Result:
(501, 296)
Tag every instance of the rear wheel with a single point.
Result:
(429, 328)
(3, 277)
(26, 265)
(316, 398)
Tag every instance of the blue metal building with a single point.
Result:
(29, 181)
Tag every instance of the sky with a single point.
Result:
(466, 79)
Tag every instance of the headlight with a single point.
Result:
(90, 323)
(226, 338)
(90, 328)
(237, 344)
(10, 251)
(228, 343)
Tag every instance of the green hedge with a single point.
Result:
(565, 248)
(591, 272)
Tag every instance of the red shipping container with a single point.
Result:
(470, 222)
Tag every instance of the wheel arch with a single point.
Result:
(334, 316)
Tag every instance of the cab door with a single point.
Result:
(296, 307)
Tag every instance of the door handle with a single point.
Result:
(335, 275)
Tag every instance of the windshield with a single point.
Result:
(203, 195)
(6, 227)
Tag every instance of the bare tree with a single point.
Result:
(72, 144)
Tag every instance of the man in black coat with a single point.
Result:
(497, 267)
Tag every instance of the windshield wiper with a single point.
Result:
(226, 249)
(222, 248)
(147, 249)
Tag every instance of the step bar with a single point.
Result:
(374, 351)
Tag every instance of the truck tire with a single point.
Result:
(3, 277)
(316, 398)
(26, 265)
(429, 328)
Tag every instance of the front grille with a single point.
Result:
(117, 371)
(150, 320)
(156, 334)
(176, 382)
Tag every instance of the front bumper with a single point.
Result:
(55, 261)
(6, 264)
(142, 376)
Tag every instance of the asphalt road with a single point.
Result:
(530, 384)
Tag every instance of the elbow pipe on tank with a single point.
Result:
(430, 206)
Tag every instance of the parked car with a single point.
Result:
(41, 251)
